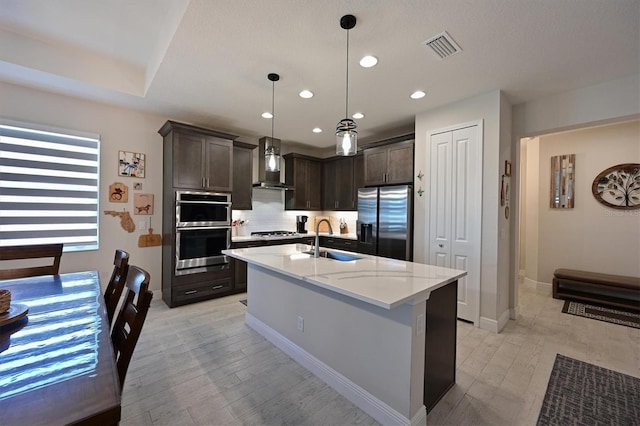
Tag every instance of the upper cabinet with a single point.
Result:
(242, 176)
(340, 182)
(389, 164)
(198, 158)
(304, 174)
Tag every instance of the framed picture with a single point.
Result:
(507, 168)
(142, 203)
(131, 164)
(137, 186)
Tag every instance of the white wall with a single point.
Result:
(494, 270)
(119, 129)
(530, 206)
(590, 236)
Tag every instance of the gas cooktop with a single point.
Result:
(269, 234)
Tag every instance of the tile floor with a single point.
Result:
(200, 364)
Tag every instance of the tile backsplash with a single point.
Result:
(268, 214)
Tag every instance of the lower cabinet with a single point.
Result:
(339, 243)
(198, 287)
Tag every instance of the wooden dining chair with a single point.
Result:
(19, 253)
(128, 325)
(116, 283)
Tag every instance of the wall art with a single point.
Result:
(142, 203)
(618, 187)
(131, 164)
(118, 192)
(562, 181)
(137, 186)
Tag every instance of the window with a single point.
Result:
(48, 186)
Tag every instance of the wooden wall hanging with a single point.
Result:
(618, 187)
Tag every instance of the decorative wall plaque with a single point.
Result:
(618, 187)
(118, 192)
(562, 192)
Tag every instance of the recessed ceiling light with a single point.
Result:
(358, 115)
(368, 61)
(317, 130)
(418, 94)
(267, 115)
(306, 94)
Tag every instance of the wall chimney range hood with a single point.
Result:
(266, 178)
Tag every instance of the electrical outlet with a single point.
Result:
(420, 324)
(300, 324)
(142, 225)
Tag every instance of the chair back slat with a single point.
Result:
(116, 283)
(41, 251)
(133, 312)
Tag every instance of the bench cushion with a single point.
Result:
(631, 283)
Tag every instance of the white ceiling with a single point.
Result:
(206, 61)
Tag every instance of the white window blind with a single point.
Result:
(48, 186)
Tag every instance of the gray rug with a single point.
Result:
(580, 393)
(602, 313)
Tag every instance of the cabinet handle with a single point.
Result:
(440, 245)
(190, 292)
(215, 287)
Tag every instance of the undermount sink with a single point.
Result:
(342, 257)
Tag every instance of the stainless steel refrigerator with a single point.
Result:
(384, 225)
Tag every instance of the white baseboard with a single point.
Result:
(373, 406)
(545, 287)
(493, 325)
(514, 312)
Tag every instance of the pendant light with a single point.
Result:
(346, 131)
(272, 147)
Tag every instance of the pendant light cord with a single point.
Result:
(273, 107)
(346, 106)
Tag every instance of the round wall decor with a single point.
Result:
(618, 187)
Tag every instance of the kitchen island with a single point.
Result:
(380, 331)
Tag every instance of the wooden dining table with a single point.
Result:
(57, 364)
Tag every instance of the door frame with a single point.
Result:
(480, 135)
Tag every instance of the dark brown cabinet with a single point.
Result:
(389, 164)
(199, 158)
(242, 176)
(339, 243)
(304, 174)
(338, 184)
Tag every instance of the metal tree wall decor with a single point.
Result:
(618, 187)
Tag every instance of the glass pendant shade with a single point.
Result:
(272, 159)
(346, 138)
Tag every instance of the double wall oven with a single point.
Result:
(203, 230)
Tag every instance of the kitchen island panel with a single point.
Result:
(364, 351)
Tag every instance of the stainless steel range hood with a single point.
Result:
(266, 178)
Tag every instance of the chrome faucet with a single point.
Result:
(316, 249)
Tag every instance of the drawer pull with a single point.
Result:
(215, 287)
(190, 292)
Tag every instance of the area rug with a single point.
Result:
(580, 393)
(615, 316)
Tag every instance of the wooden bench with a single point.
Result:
(606, 289)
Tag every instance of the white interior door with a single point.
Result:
(455, 211)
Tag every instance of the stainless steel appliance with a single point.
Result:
(202, 209)
(203, 230)
(301, 226)
(384, 225)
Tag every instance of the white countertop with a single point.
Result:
(383, 282)
(238, 238)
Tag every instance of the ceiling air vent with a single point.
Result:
(442, 45)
